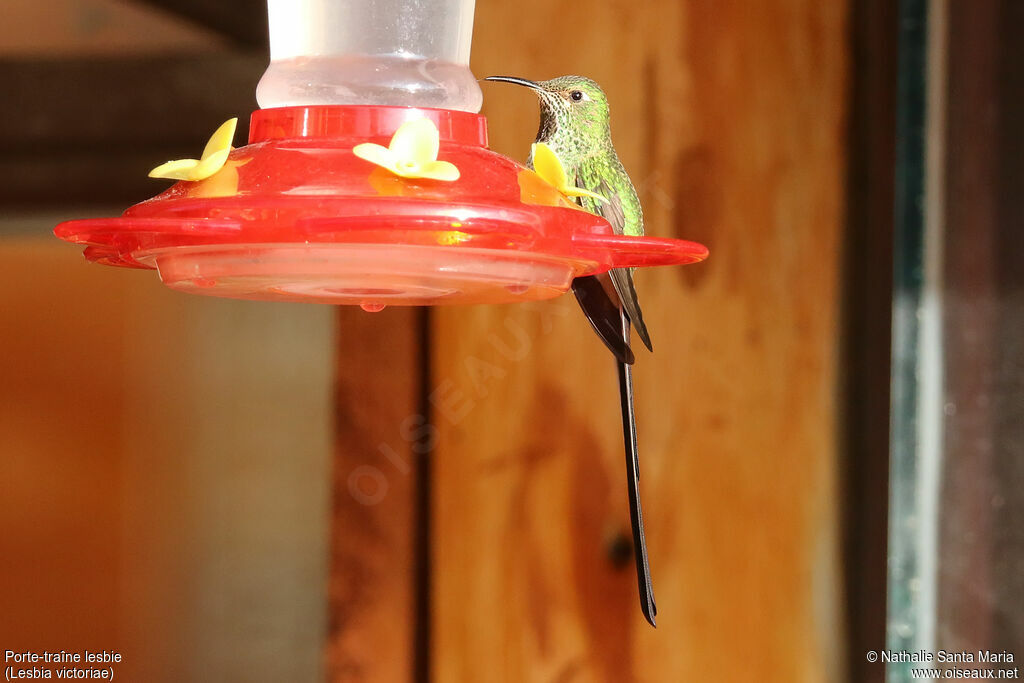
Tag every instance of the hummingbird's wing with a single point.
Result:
(622, 278)
(623, 281)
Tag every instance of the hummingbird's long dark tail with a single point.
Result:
(603, 314)
(636, 516)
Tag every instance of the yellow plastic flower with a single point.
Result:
(549, 167)
(224, 183)
(214, 156)
(535, 190)
(412, 153)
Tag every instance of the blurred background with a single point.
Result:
(830, 429)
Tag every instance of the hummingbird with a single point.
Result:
(576, 125)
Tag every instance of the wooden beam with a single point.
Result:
(67, 28)
(377, 562)
(88, 130)
(243, 21)
(112, 104)
(867, 321)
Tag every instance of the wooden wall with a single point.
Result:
(730, 118)
(162, 470)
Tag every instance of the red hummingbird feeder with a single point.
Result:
(297, 215)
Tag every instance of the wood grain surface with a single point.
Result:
(373, 585)
(162, 470)
(730, 118)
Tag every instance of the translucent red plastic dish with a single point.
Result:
(296, 216)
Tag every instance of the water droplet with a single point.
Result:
(370, 307)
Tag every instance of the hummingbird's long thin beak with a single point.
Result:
(513, 79)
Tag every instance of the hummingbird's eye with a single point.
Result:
(576, 95)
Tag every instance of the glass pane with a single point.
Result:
(956, 556)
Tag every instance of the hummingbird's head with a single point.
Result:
(575, 104)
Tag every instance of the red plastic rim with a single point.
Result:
(458, 127)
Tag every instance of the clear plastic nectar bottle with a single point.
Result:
(381, 52)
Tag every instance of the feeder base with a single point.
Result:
(369, 275)
(295, 215)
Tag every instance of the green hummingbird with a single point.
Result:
(575, 123)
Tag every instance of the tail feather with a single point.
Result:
(623, 281)
(636, 515)
(603, 314)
